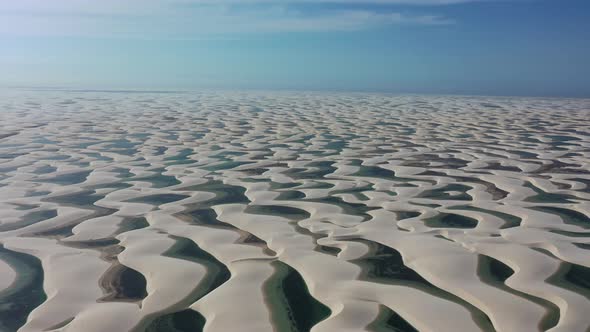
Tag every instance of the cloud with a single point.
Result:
(186, 19)
(117, 5)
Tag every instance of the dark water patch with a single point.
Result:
(34, 193)
(407, 185)
(573, 277)
(187, 320)
(563, 138)
(509, 219)
(401, 215)
(183, 157)
(439, 236)
(562, 186)
(206, 217)
(495, 273)
(11, 155)
(279, 186)
(443, 193)
(266, 155)
(361, 196)
(123, 173)
(315, 153)
(582, 245)
(489, 105)
(586, 182)
(452, 163)
(389, 321)
(61, 324)
(80, 163)
(292, 307)
(496, 192)
(158, 180)
(383, 264)
(132, 223)
(337, 145)
(226, 165)
(290, 195)
(29, 219)
(228, 153)
(58, 232)
(140, 136)
(570, 234)
(4, 173)
(98, 156)
(376, 172)
(45, 169)
(79, 199)
(334, 251)
(524, 154)
(85, 145)
(217, 272)
(158, 199)
(25, 294)
(556, 166)
(429, 205)
(450, 220)
(68, 179)
(224, 193)
(122, 283)
(355, 209)
(356, 192)
(254, 171)
(278, 210)
(6, 135)
(111, 185)
(25, 207)
(253, 239)
(323, 168)
(423, 164)
(496, 166)
(304, 231)
(568, 216)
(545, 197)
(92, 244)
(303, 140)
(493, 269)
(84, 199)
(254, 180)
(319, 185)
(160, 150)
(355, 162)
(122, 146)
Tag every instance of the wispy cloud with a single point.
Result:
(198, 18)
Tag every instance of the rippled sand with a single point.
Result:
(291, 212)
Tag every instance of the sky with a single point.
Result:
(483, 47)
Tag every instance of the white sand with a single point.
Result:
(317, 176)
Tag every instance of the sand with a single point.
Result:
(294, 211)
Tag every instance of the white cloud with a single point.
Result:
(174, 19)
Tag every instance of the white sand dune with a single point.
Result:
(293, 212)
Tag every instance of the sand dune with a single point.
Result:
(293, 212)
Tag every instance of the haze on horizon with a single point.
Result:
(493, 47)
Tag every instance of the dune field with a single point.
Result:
(293, 212)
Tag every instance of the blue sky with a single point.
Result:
(493, 47)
